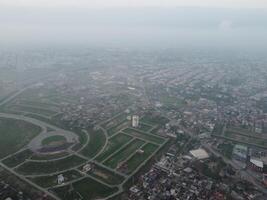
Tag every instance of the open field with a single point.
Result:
(96, 142)
(105, 175)
(113, 144)
(31, 167)
(145, 136)
(15, 134)
(87, 188)
(50, 181)
(18, 158)
(137, 159)
(125, 152)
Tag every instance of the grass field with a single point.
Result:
(96, 142)
(113, 144)
(145, 136)
(50, 181)
(31, 167)
(105, 175)
(15, 134)
(17, 158)
(87, 188)
(137, 159)
(125, 152)
(52, 139)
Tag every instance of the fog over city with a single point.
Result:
(133, 99)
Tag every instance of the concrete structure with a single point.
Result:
(135, 121)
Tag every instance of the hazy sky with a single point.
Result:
(137, 22)
(115, 3)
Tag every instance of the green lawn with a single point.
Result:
(113, 144)
(32, 167)
(137, 159)
(124, 153)
(96, 142)
(144, 136)
(15, 134)
(54, 138)
(87, 188)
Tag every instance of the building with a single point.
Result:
(199, 154)
(255, 164)
(135, 121)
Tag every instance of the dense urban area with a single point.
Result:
(118, 124)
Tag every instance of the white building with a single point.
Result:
(135, 121)
(60, 179)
